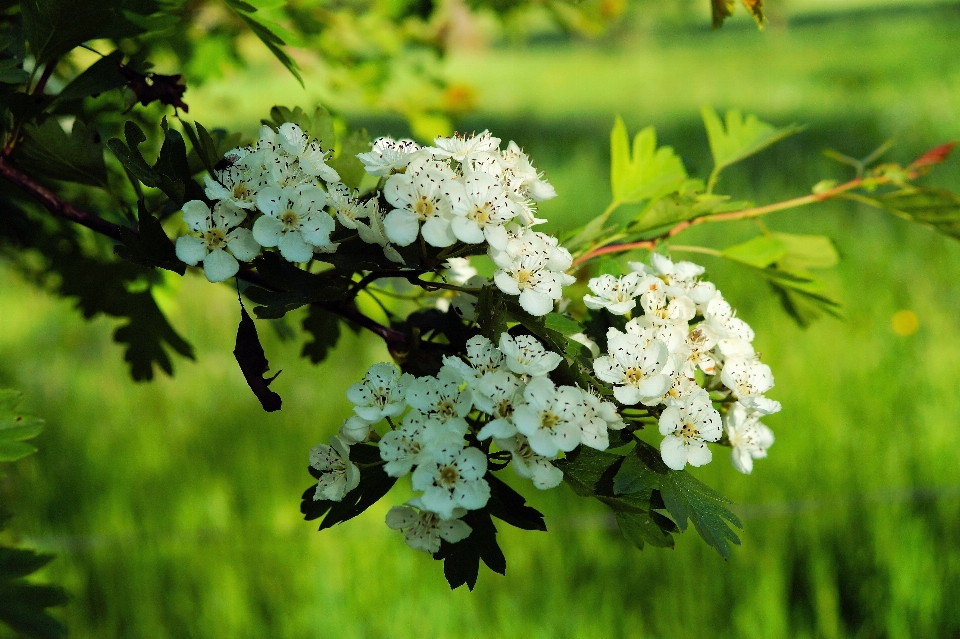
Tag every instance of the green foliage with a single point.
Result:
(936, 208)
(149, 246)
(74, 157)
(723, 9)
(738, 138)
(645, 172)
(270, 33)
(23, 605)
(16, 427)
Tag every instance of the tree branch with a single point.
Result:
(61, 208)
(54, 204)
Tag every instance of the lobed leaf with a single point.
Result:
(738, 138)
(253, 363)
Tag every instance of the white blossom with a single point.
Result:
(748, 437)
(525, 355)
(415, 441)
(418, 200)
(294, 220)
(453, 478)
(310, 157)
(442, 399)
(338, 475)
(529, 465)
(382, 393)
(616, 294)
(219, 229)
(551, 417)
(687, 428)
(635, 368)
(423, 529)
(461, 147)
(388, 155)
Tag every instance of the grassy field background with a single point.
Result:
(173, 506)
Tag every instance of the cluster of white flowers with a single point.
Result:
(684, 344)
(465, 188)
(442, 427)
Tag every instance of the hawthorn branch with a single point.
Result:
(50, 201)
(63, 209)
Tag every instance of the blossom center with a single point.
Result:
(689, 431)
(423, 207)
(449, 476)
(241, 191)
(215, 238)
(633, 376)
(549, 420)
(289, 219)
(480, 214)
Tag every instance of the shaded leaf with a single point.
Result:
(23, 604)
(103, 75)
(685, 497)
(510, 506)
(145, 335)
(75, 157)
(346, 162)
(720, 11)
(755, 9)
(155, 87)
(461, 561)
(129, 154)
(937, 208)
(650, 527)
(267, 33)
(150, 246)
(324, 327)
(253, 363)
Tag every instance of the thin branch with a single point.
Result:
(61, 208)
(55, 205)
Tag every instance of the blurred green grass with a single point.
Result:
(173, 505)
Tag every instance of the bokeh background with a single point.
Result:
(173, 505)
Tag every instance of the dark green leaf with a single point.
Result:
(103, 75)
(563, 324)
(145, 335)
(130, 156)
(150, 246)
(267, 33)
(324, 327)
(937, 208)
(650, 527)
(685, 497)
(510, 506)
(11, 72)
(374, 484)
(461, 561)
(75, 157)
(721, 10)
(23, 604)
(491, 313)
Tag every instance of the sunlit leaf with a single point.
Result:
(759, 252)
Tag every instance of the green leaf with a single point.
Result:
(648, 173)
(267, 32)
(806, 251)
(103, 75)
(755, 9)
(491, 312)
(130, 156)
(938, 209)
(11, 72)
(650, 527)
(174, 170)
(75, 157)
(150, 247)
(740, 138)
(146, 335)
(324, 326)
(461, 561)
(23, 604)
(563, 324)
(203, 145)
(680, 207)
(759, 252)
(685, 497)
(721, 10)
(346, 163)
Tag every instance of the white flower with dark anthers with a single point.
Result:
(423, 529)
(418, 200)
(529, 465)
(375, 233)
(681, 386)
(551, 417)
(346, 205)
(521, 177)
(634, 368)
(382, 393)
(616, 294)
(310, 157)
(354, 430)
(700, 343)
(237, 183)
(389, 155)
(461, 147)
(294, 220)
(746, 377)
(497, 394)
(415, 441)
(749, 438)
(532, 267)
(480, 209)
(442, 399)
(658, 308)
(338, 474)
(525, 355)
(452, 478)
(687, 428)
(483, 358)
(218, 230)
(601, 416)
